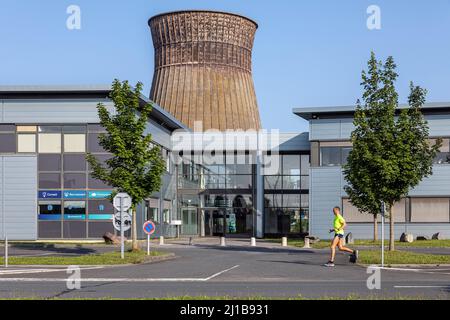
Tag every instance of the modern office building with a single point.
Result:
(46, 189)
(425, 211)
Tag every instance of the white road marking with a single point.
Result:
(28, 271)
(114, 279)
(421, 287)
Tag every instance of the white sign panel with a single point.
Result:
(122, 202)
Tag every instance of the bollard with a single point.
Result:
(161, 241)
(222, 242)
(6, 252)
(191, 241)
(307, 243)
(284, 242)
(253, 242)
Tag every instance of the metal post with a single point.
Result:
(122, 244)
(148, 244)
(382, 235)
(6, 251)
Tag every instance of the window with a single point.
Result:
(74, 180)
(291, 200)
(97, 184)
(272, 182)
(26, 143)
(7, 143)
(430, 210)
(291, 165)
(74, 143)
(74, 162)
(49, 181)
(26, 129)
(443, 156)
(49, 162)
(291, 183)
(330, 156)
(49, 143)
(100, 207)
(93, 143)
(353, 215)
(333, 154)
(49, 210)
(77, 208)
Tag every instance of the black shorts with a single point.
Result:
(340, 236)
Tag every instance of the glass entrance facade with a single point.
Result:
(222, 197)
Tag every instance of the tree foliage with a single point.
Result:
(391, 152)
(136, 166)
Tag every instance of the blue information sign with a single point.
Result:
(49, 194)
(99, 194)
(74, 194)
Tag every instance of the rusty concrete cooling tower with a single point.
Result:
(203, 68)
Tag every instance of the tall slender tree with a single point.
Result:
(391, 152)
(136, 166)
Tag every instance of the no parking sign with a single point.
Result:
(149, 229)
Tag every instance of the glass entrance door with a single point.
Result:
(190, 222)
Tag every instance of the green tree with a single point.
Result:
(391, 152)
(136, 166)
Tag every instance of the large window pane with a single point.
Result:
(240, 182)
(291, 182)
(8, 143)
(74, 143)
(49, 143)
(291, 200)
(26, 128)
(272, 182)
(430, 210)
(330, 156)
(49, 210)
(74, 162)
(74, 180)
(49, 181)
(93, 145)
(100, 207)
(7, 128)
(49, 162)
(26, 143)
(97, 184)
(291, 165)
(74, 208)
(49, 129)
(273, 200)
(345, 152)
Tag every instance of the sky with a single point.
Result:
(307, 53)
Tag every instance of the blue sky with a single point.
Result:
(307, 53)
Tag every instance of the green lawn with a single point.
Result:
(109, 258)
(417, 244)
(401, 257)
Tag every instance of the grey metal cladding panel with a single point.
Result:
(439, 125)
(436, 185)
(331, 129)
(325, 194)
(19, 201)
(159, 134)
(52, 111)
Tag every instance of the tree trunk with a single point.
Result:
(134, 244)
(391, 230)
(375, 227)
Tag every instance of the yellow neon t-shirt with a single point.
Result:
(338, 224)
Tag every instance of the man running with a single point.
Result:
(338, 240)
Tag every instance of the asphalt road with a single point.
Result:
(236, 271)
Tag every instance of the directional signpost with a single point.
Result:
(383, 215)
(149, 229)
(122, 202)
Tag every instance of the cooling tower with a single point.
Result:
(203, 68)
